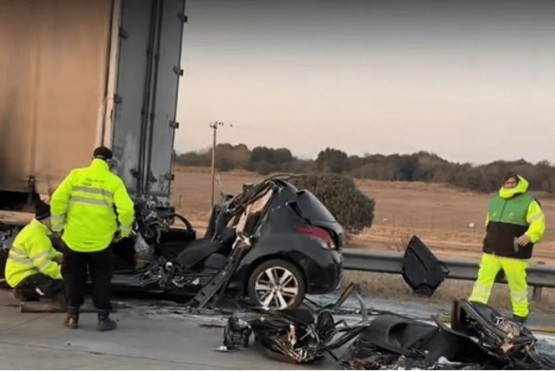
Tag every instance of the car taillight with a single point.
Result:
(316, 232)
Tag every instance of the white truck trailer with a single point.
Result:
(75, 74)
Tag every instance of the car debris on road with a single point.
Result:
(479, 337)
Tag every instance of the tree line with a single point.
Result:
(421, 166)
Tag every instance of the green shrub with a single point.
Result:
(353, 209)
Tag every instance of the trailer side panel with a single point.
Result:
(53, 60)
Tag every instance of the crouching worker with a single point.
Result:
(33, 267)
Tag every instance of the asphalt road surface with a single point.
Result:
(145, 339)
(150, 335)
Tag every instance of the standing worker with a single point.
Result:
(514, 223)
(87, 208)
(33, 265)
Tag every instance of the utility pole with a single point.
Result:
(214, 126)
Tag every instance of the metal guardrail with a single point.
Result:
(538, 276)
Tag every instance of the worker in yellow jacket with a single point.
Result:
(514, 223)
(91, 208)
(33, 265)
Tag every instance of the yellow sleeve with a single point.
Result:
(41, 255)
(125, 209)
(60, 202)
(56, 255)
(536, 220)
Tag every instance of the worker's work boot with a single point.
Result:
(72, 319)
(105, 323)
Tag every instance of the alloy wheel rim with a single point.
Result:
(276, 288)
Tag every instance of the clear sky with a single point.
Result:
(473, 81)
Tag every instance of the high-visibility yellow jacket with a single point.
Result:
(511, 213)
(89, 206)
(32, 253)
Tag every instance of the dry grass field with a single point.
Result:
(449, 221)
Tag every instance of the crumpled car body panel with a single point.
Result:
(269, 214)
(479, 338)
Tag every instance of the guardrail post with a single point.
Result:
(537, 293)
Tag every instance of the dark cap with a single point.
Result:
(42, 211)
(103, 153)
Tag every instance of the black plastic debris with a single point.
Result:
(236, 334)
(421, 270)
(479, 337)
(292, 336)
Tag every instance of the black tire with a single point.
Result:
(278, 265)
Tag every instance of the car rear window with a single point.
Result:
(312, 208)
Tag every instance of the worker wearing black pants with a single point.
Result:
(74, 270)
(37, 285)
(90, 209)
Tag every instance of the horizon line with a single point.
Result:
(207, 149)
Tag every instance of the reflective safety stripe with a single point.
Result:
(90, 201)
(58, 227)
(519, 296)
(18, 251)
(92, 190)
(21, 260)
(43, 264)
(39, 256)
(34, 260)
(538, 216)
(480, 293)
(58, 222)
(125, 228)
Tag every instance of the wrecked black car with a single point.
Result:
(479, 337)
(272, 243)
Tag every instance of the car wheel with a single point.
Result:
(276, 284)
